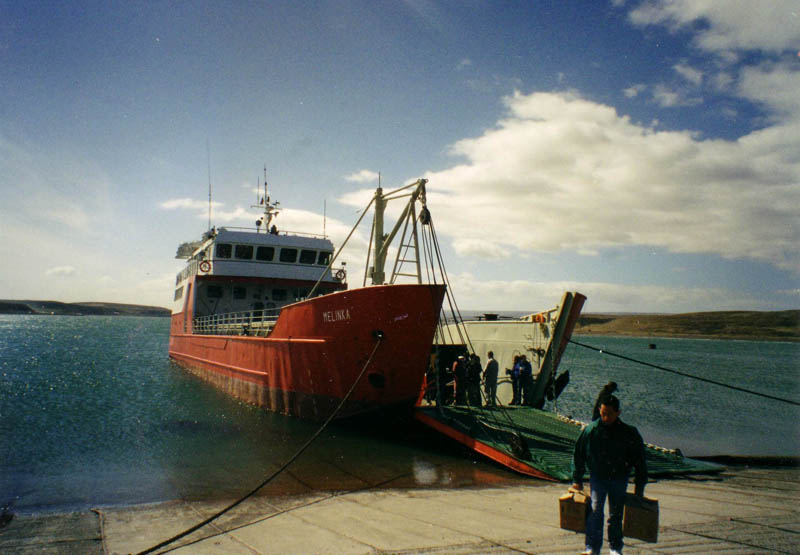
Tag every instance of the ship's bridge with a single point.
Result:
(246, 254)
(269, 255)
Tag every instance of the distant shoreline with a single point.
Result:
(56, 308)
(781, 325)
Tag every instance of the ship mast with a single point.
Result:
(270, 209)
(208, 156)
(381, 241)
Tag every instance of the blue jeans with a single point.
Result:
(614, 489)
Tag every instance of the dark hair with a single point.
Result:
(491, 354)
(610, 387)
(611, 401)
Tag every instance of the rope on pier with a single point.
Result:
(679, 373)
(378, 337)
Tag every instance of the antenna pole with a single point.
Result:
(208, 156)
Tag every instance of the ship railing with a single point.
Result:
(281, 232)
(248, 322)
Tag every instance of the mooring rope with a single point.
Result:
(379, 338)
(684, 374)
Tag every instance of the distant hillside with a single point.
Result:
(79, 309)
(780, 325)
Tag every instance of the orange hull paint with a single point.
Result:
(317, 349)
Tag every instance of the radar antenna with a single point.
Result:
(270, 209)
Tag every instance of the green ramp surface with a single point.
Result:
(504, 433)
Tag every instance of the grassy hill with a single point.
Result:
(79, 309)
(781, 325)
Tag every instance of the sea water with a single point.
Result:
(93, 413)
(675, 411)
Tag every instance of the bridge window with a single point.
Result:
(265, 254)
(224, 250)
(300, 294)
(214, 291)
(279, 294)
(239, 292)
(324, 258)
(245, 252)
(178, 293)
(288, 255)
(307, 257)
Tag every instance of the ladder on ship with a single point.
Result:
(409, 247)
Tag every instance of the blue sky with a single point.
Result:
(644, 153)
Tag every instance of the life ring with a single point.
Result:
(340, 275)
(205, 266)
(538, 318)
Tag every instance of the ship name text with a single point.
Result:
(336, 315)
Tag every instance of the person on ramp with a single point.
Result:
(609, 389)
(474, 380)
(610, 448)
(490, 381)
(460, 374)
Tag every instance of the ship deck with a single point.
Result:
(537, 443)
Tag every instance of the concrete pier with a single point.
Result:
(743, 510)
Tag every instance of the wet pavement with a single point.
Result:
(743, 510)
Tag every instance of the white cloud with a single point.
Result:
(66, 192)
(363, 176)
(480, 248)
(61, 271)
(670, 98)
(773, 85)
(634, 90)
(219, 215)
(564, 173)
(463, 64)
(187, 203)
(524, 295)
(694, 76)
(731, 25)
(665, 97)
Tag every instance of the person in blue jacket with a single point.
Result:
(526, 381)
(610, 449)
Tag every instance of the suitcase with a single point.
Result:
(640, 519)
(573, 509)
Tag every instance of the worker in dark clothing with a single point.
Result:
(609, 389)
(460, 374)
(526, 381)
(610, 448)
(490, 381)
(514, 374)
(443, 380)
(474, 380)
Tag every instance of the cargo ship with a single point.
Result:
(267, 316)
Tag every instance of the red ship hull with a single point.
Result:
(317, 350)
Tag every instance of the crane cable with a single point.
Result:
(679, 373)
(378, 337)
(432, 250)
